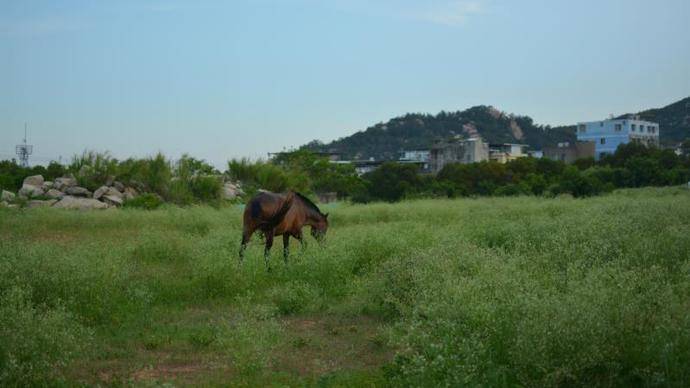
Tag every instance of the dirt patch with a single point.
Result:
(316, 346)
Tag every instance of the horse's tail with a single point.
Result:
(280, 213)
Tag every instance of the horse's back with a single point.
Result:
(263, 207)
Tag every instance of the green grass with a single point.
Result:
(517, 291)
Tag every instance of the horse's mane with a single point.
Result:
(309, 203)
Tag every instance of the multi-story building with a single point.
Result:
(607, 135)
(506, 152)
(569, 152)
(458, 150)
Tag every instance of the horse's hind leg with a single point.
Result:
(267, 250)
(246, 236)
(286, 247)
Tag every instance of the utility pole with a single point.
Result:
(24, 150)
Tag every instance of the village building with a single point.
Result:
(419, 157)
(457, 150)
(503, 153)
(607, 135)
(569, 152)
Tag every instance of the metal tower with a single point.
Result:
(24, 150)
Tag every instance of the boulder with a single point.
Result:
(100, 192)
(113, 200)
(109, 180)
(112, 191)
(130, 193)
(34, 180)
(231, 191)
(69, 202)
(7, 196)
(64, 183)
(47, 185)
(77, 191)
(36, 203)
(54, 194)
(119, 186)
(30, 191)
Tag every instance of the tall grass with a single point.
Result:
(482, 292)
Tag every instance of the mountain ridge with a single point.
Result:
(384, 141)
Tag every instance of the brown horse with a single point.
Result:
(274, 214)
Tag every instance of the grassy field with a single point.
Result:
(495, 291)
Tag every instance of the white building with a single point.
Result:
(415, 155)
(607, 135)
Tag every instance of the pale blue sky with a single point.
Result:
(242, 78)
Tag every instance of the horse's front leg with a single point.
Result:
(302, 241)
(246, 236)
(267, 250)
(286, 247)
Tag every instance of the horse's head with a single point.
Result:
(319, 228)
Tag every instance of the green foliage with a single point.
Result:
(392, 181)
(12, 174)
(418, 131)
(489, 291)
(36, 342)
(146, 201)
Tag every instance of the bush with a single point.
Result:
(36, 343)
(293, 297)
(145, 201)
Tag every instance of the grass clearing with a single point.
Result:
(492, 291)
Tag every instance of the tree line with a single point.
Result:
(190, 180)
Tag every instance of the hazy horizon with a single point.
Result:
(219, 80)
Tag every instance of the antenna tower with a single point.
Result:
(24, 150)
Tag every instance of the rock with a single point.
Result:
(36, 203)
(34, 180)
(78, 191)
(4, 204)
(130, 193)
(115, 192)
(55, 194)
(13, 206)
(30, 191)
(113, 200)
(69, 202)
(231, 191)
(119, 186)
(100, 192)
(7, 196)
(64, 183)
(47, 185)
(109, 180)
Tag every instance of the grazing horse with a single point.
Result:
(274, 214)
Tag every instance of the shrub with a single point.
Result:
(36, 343)
(145, 201)
(293, 297)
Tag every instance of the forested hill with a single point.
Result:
(674, 121)
(418, 131)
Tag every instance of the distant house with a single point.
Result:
(506, 152)
(362, 166)
(418, 157)
(457, 150)
(607, 135)
(332, 156)
(569, 152)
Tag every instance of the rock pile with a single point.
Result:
(65, 193)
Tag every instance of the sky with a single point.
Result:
(230, 79)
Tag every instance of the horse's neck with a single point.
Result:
(312, 217)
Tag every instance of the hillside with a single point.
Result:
(418, 131)
(673, 119)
